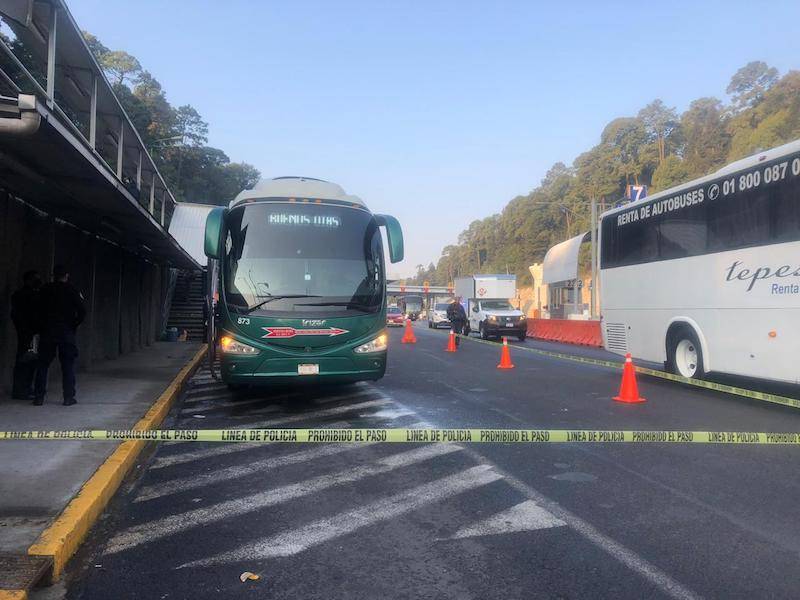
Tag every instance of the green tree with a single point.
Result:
(191, 126)
(673, 171)
(774, 121)
(706, 137)
(120, 67)
(662, 127)
(749, 84)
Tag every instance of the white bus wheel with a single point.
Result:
(686, 355)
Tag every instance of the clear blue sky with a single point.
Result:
(436, 112)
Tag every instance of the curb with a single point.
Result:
(64, 536)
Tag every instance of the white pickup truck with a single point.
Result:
(489, 312)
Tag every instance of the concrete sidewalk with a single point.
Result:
(39, 479)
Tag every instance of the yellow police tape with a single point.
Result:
(533, 436)
(709, 385)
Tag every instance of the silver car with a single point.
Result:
(437, 316)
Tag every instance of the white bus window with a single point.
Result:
(630, 244)
(685, 236)
(740, 221)
(786, 215)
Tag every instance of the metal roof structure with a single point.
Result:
(79, 158)
(188, 227)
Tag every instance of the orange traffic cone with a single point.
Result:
(408, 336)
(451, 342)
(505, 356)
(628, 390)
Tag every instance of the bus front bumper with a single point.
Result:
(282, 369)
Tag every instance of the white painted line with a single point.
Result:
(526, 516)
(389, 413)
(626, 556)
(287, 397)
(294, 541)
(313, 414)
(167, 526)
(174, 486)
(359, 394)
(227, 403)
(215, 449)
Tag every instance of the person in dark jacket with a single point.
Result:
(62, 312)
(25, 315)
(457, 317)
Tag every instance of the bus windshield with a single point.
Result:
(287, 258)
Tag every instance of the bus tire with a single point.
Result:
(684, 353)
(522, 337)
(483, 332)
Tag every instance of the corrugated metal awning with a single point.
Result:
(561, 261)
(188, 227)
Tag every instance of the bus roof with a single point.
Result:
(299, 188)
(733, 167)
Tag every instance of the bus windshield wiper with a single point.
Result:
(278, 297)
(349, 304)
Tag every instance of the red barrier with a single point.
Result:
(566, 331)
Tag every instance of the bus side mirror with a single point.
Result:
(394, 234)
(214, 228)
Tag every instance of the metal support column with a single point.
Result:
(593, 309)
(51, 55)
(120, 147)
(139, 172)
(93, 113)
(163, 206)
(152, 207)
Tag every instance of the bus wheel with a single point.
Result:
(686, 355)
(483, 332)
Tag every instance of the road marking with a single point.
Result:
(627, 557)
(215, 450)
(174, 486)
(225, 400)
(526, 516)
(312, 414)
(294, 541)
(226, 403)
(389, 413)
(170, 525)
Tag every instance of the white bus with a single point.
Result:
(706, 276)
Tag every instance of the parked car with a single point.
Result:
(394, 317)
(437, 316)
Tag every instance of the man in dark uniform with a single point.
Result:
(62, 312)
(457, 317)
(25, 316)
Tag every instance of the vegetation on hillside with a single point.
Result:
(658, 147)
(176, 137)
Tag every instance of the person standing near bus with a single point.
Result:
(457, 317)
(24, 315)
(62, 312)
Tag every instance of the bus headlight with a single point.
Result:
(379, 344)
(231, 346)
(493, 318)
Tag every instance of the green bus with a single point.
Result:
(298, 284)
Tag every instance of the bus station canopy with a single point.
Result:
(561, 261)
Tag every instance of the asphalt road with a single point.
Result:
(450, 521)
